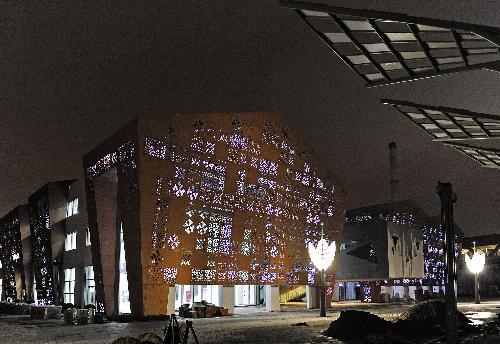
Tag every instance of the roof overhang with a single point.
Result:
(386, 48)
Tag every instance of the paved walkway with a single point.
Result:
(248, 325)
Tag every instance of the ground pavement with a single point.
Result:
(249, 325)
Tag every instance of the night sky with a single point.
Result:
(73, 72)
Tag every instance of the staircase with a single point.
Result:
(292, 293)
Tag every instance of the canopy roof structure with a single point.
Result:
(487, 157)
(385, 48)
(449, 124)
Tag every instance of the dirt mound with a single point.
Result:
(424, 320)
(427, 317)
(353, 325)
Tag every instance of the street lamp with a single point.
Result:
(322, 257)
(476, 265)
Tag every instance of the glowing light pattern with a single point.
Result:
(10, 253)
(247, 190)
(367, 292)
(434, 256)
(476, 263)
(42, 246)
(123, 155)
(173, 241)
(162, 275)
(323, 254)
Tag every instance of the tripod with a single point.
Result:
(173, 332)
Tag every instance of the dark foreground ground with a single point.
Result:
(249, 325)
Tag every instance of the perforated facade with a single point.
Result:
(11, 254)
(221, 199)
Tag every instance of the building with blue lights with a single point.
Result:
(391, 251)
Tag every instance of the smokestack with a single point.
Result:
(393, 170)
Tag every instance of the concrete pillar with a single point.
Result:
(389, 293)
(228, 299)
(216, 295)
(272, 298)
(171, 300)
(406, 293)
(312, 298)
(328, 299)
(336, 292)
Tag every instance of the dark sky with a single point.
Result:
(73, 72)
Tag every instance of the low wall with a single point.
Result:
(14, 308)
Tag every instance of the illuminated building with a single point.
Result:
(14, 228)
(389, 251)
(213, 199)
(46, 256)
(217, 205)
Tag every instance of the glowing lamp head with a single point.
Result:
(476, 263)
(323, 254)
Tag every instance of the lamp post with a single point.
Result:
(322, 257)
(476, 265)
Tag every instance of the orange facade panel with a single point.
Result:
(227, 199)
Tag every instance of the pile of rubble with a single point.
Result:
(425, 320)
(202, 309)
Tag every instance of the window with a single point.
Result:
(35, 296)
(123, 293)
(1, 287)
(70, 242)
(87, 237)
(69, 285)
(89, 295)
(72, 208)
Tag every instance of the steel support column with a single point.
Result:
(447, 197)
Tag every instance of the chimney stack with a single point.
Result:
(393, 170)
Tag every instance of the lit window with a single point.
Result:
(69, 285)
(72, 208)
(70, 242)
(89, 285)
(1, 288)
(87, 237)
(35, 296)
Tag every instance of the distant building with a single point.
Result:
(389, 251)
(45, 248)
(14, 252)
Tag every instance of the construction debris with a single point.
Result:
(354, 325)
(425, 320)
(202, 309)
